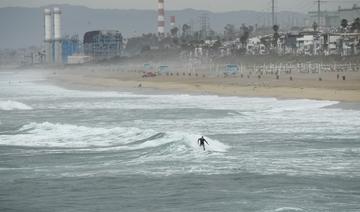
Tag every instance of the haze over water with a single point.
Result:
(70, 150)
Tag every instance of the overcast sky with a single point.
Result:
(212, 5)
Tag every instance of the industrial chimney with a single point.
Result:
(161, 19)
(57, 36)
(48, 36)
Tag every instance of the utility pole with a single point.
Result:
(273, 12)
(319, 12)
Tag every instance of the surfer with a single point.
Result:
(202, 142)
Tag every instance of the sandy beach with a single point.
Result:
(323, 86)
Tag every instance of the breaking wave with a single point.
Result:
(288, 209)
(13, 105)
(50, 135)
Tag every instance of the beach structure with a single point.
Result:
(163, 69)
(161, 18)
(231, 70)
(148, 66)
(105, 44)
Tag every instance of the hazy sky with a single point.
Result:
(213, 5)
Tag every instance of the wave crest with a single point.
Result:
(49, 135)
(13, 105)
(288, 209)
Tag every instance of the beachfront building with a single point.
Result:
(102, 45)
(255, 47)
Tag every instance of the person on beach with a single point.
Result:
(202, 142)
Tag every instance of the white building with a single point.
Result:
(254, 46)
(305, 44)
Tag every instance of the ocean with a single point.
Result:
(82, 150)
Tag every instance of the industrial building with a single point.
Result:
(70, 46)
(52, 34)
(102, 45)
(48, 36)
(57, 36)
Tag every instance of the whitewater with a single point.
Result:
(83, 150)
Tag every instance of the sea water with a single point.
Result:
(71, 150)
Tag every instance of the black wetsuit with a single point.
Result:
(202, 142)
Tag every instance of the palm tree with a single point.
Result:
(315, 26)
(355, 26)
(174, 31)
(229, 31)
(245, 35)
(344, 24)
(185, 30)
(276, 35)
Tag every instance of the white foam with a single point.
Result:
(72, 136)
(118, 138)
(136, 101)
(214, 145)
(13, 105)
(287, 209)
(124, 100)
(299, 104)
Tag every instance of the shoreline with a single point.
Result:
(300, 89)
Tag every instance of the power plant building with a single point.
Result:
(102, 45)
(48, 36)
(57, 36)
(52, 36)
(70, 46)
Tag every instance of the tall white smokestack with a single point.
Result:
(57, 36)
(161, 19)
(48, 35)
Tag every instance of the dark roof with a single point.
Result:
(90, 37)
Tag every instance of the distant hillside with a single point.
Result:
(23, 27)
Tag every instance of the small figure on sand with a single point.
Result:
(202, 142)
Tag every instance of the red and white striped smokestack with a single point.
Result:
(161, 18)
